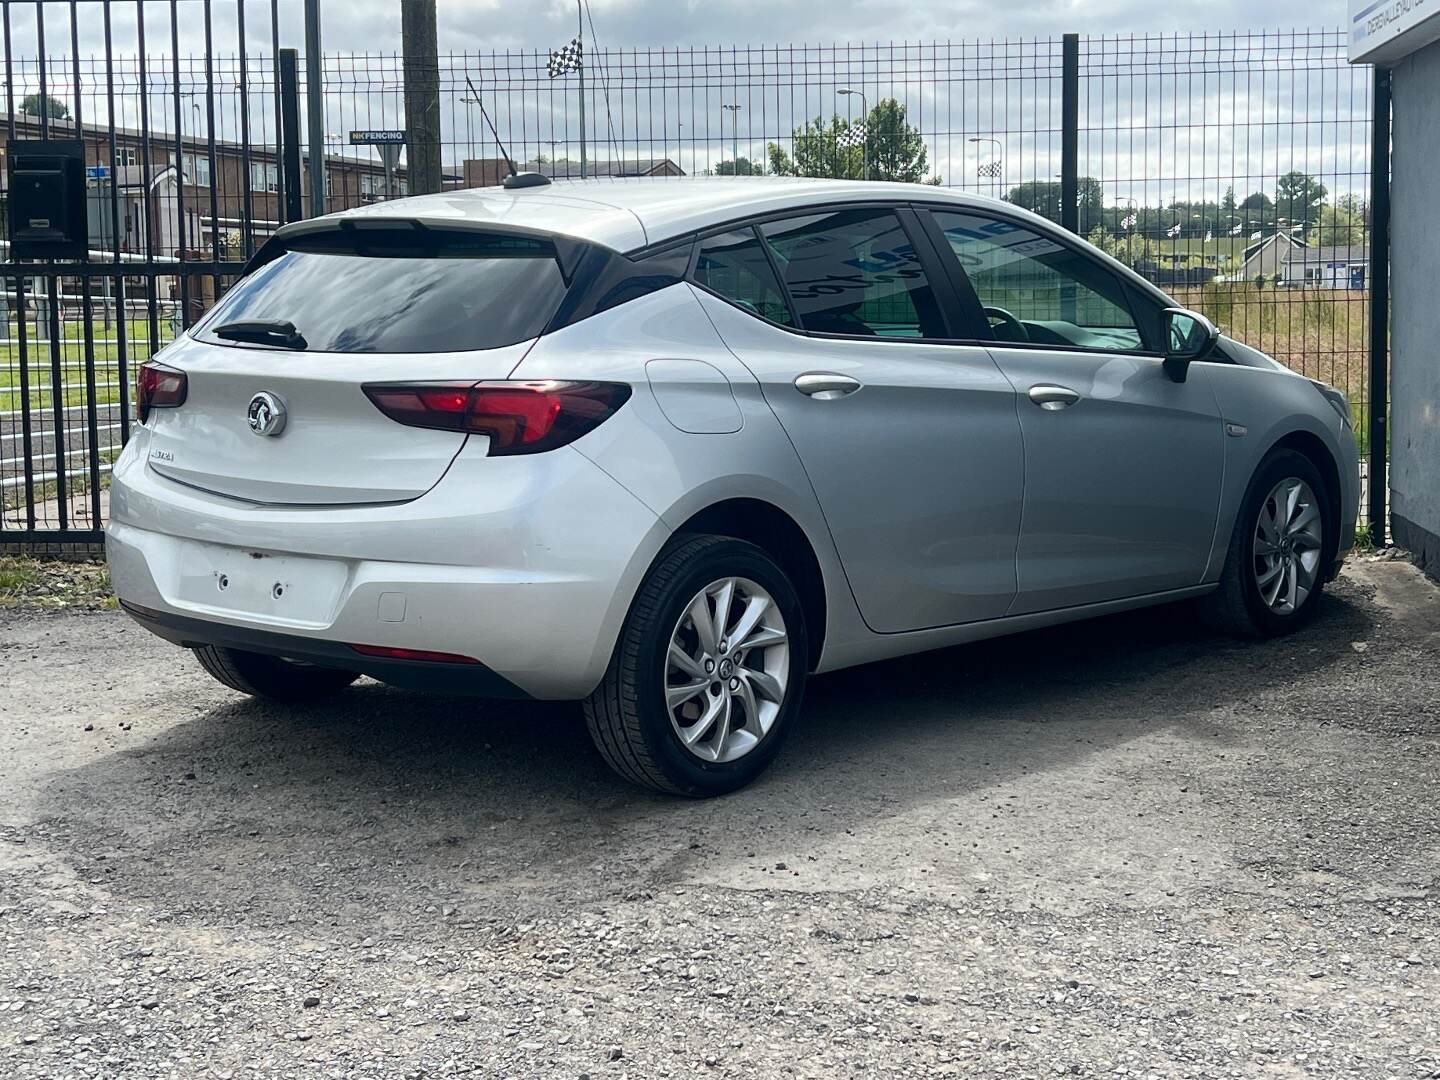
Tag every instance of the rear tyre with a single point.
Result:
(1275, 566)
(708, 673)
(271, 676)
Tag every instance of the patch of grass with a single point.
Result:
(16, 576)
(53, 584)
(1321, 333)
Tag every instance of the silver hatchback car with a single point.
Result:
(670, 446)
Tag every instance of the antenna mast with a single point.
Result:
(509, 161)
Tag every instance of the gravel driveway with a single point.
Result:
(1123, 848)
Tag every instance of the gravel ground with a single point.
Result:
(1124, 848)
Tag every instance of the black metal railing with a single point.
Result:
(1233, 169)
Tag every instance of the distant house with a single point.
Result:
(1267, 257)
(488, 172)
(1344, 267)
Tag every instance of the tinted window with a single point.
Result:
(854, 272)
(1035, 289)
(439, 293)
(735, 267)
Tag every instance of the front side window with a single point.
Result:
(854, 272)
(734, 266)
(1034, 289)
(396, 292)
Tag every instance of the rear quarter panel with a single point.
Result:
(678, 473)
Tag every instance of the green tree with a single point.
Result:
(54, 108)
(1298, 197)
(1227, 204)
(1043, 197)
(1128, 247)
(741, 166)
(1337, 227)
(896, 150)
(1258, 201)
(893, 148)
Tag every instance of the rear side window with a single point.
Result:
(398, 292)
(734, 266)
(854, 272)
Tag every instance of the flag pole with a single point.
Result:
(580, 18)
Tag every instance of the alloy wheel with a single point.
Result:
(726, 669)
(1288, 539)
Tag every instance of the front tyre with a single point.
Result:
(708, 673)
(271, 676)
(1275, 567)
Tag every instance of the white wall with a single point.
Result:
(1415, 314)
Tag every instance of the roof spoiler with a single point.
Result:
(568, 250)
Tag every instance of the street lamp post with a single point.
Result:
(847, 91)
(734, 111)
(998, 164)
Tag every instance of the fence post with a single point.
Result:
(315, 106)
(1379, 306)
(422, 95)
(293, 210)
(1070, 133)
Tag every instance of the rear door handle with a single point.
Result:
(825, 385)
(1051, 398)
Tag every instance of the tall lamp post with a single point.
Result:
(997, 166)
(734, 111)
(848, 91)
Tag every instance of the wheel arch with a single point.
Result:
(1311, 447)
(778, 534)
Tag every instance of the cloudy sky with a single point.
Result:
(496, 23)
(1184, 121)
(487, 24)
(471, 24)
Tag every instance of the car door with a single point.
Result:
(912, 445)
(1123, 466)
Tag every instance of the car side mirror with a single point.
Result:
(1189, 336)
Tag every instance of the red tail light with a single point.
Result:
(519, 417)
(158, 387)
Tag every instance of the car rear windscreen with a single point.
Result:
(402, 291)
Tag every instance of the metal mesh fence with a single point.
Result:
(1232, 169)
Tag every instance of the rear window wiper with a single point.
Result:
(263, 332)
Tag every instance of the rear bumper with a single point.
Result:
(528, 567)
(470, 679)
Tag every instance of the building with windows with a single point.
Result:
(205, 204)
(1344, 267)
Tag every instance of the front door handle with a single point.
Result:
(1051, 398)
(825, 385)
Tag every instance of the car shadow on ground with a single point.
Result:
(407, 789)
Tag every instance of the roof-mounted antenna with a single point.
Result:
(515, 179)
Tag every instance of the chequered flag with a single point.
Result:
(569, 57)
(852, 136)
(991, 170)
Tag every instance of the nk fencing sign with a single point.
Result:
(380, 137)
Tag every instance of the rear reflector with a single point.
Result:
(519, 417)
(390, 652)
(158, 387)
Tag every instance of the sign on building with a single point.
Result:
(1382, 31)
(377, 137)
